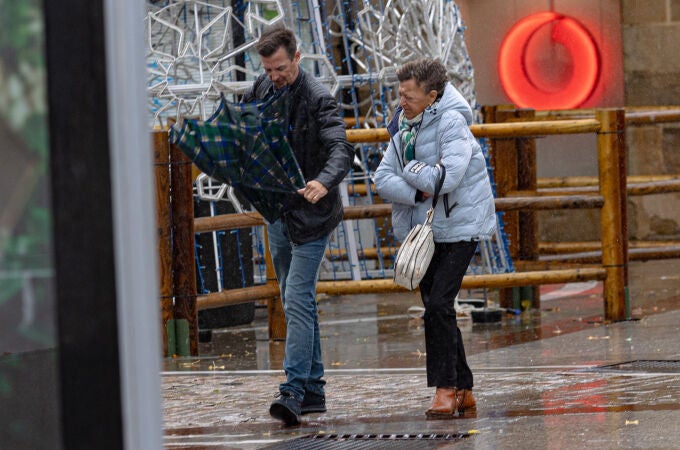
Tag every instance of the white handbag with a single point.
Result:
(415, 253)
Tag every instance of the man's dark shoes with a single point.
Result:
(313, 403)
(286, 408)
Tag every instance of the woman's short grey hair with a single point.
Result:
(429, 74)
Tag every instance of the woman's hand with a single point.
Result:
(313, 191)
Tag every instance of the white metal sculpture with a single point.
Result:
(192, 56)
(200, 49)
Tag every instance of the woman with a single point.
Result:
(431, 126)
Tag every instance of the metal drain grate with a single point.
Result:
(644, 365)
(361, 441)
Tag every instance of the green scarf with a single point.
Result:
(408, 129)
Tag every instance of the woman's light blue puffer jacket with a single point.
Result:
(444, 137)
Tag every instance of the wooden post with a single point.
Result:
(161, 151)
(503, 159)
(526, 180)
(275, 313)
(623, 191)
(527, 220)
(612, 175)
(184, 264)
(503, 156)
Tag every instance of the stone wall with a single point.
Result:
(639, 42)
(651, 37)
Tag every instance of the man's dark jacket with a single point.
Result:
(318, 138)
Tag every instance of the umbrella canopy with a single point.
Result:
(245, 145)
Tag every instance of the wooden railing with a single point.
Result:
(178, 269)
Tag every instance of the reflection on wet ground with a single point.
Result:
(536, 379)
(395, 403)
(379, 331)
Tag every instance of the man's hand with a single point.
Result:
(313, 192)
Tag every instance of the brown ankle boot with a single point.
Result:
(465, 403)
(443, 404)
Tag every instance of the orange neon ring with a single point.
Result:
(566, 31)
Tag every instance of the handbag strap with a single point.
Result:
(440, 183)
(437, 188)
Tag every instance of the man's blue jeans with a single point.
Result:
(297, 270)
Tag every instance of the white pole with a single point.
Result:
(134, 225)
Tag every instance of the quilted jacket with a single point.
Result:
(465, 210)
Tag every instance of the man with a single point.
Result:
(297, 242)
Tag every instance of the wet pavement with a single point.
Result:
(548, 378)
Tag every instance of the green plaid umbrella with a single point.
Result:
(245, 146)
